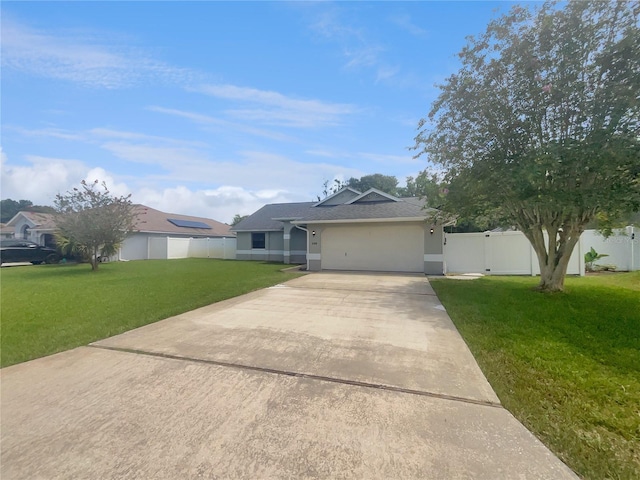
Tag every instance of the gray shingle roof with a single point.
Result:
(306, 212)
(367, 210)
(262, 220)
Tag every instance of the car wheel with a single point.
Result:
(52, 258)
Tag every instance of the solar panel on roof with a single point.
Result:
(188, 223)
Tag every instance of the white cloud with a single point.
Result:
(170, 158)
(84, 59)
(362, 56)
(274, 108)
(194, 117)
(220, 204)
(266, 178)
(47, 132)
(404, 22)
(117, 189)
(124, 135)
(41, 179)
(212, 123)
(322, 153)
(390, 159)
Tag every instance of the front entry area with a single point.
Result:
(385, 247)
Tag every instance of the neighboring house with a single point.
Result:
(148, 223)
(348, 230)
(7, 232)
(35, 227)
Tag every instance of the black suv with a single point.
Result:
(13, 250)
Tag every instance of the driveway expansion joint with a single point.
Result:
(395, 292)
(287, 373)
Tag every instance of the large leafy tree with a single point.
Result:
(237, 218)
(92, 222)
(428, 185)
(384, 183)
(540, 127)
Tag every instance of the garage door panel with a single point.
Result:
(390, 248)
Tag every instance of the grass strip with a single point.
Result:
(51, 308)
(567, 365)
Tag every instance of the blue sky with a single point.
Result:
(216, 108)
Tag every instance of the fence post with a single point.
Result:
(487, 253)
(581, 265)
(633, 253)
(533, 257)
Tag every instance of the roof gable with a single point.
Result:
(342, 196)
(42, 221)
(373, 195)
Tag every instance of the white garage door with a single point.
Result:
(376, 247)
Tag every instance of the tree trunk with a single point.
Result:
(553, 256)
(552, 273)
(94, 260)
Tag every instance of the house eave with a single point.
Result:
(362, 220)
(259, 230)
(159, 232)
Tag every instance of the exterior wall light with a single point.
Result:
(431, 231)
(313, 233)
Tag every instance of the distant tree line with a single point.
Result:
(9, 208)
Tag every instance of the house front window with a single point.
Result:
(258, 240)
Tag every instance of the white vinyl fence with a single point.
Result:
(510, 253)
(164, 248)
(622, 249)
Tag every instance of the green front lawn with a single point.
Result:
(566, 365)
(51, 308)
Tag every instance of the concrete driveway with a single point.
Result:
(326, 376)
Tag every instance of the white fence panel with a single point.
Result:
(464, 252)
(622, 248)
(157, 248)
(229, 248)
(224, 248)
(501, 253)
(135, 247)
(178, 247)
(508, 253)
(199, 248)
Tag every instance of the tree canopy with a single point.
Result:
(91, 222)
(540, 127)
(385, 183)
(237, 218)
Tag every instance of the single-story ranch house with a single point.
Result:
(348, 230)
(149, 223)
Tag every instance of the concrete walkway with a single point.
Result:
(327, 376)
